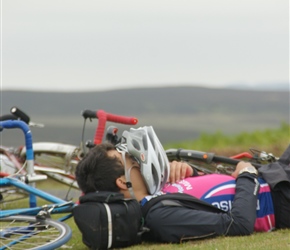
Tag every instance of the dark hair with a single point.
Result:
(97, 171)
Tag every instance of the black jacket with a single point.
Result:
(173, 221)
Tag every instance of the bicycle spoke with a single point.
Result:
(26, 232)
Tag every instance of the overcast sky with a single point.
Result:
(72, 45)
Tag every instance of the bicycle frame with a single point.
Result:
(223, 164)
(57, 205)
(33, 209)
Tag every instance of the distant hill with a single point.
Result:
(280, 86)
(176, 113)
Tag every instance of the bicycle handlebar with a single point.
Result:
(10, 124)
(109, 117)
(103, 118)
(8, 117)
(20, 114)
(16, 114)
(202, 156)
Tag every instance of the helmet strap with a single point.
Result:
(127, 175)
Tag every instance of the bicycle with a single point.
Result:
(58, 161)
(208, 163)
(32, 227)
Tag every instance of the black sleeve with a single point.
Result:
(243, 211)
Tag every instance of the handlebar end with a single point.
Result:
(135, 121)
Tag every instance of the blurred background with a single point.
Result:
(185, 67)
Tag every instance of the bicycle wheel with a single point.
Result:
(28, 232)
(11, 194)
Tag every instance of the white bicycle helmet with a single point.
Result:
(145, 147)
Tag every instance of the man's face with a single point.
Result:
(137, 181)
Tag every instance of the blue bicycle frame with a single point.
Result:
(56, 205)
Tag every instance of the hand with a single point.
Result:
(179, 170)
(241, 165)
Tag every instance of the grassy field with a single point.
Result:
(274, 141)
(269, 140)
(276, 240)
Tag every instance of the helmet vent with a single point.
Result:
(144, 140)
(151, 140)
(136, 144)
(160, 159)
(155, 175)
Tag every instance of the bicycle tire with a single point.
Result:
(28, 232)
(11, 194)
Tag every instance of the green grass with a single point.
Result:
(276, 240)
(270, 140)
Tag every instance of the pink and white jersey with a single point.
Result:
(219, 190)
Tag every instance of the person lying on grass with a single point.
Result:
(138, 168)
